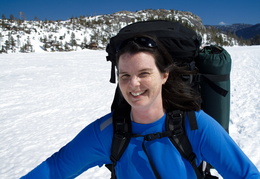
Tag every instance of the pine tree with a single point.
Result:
(18, 40)
(72, 39)
(7, 45)
(12, 18)
(256, 40)
(12, 44)
(36, 18)
(3, 17)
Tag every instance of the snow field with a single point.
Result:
(47, 98)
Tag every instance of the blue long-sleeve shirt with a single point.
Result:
(92, 147)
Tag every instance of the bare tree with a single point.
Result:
(22, 15)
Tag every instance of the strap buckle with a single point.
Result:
(153, 136)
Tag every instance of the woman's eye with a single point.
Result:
(125, 77)
(144, 74)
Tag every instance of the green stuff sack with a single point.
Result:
(214, 63)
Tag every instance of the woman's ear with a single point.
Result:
(165, 77)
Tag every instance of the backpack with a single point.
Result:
(213, 64)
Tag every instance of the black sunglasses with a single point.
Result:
(142, 41)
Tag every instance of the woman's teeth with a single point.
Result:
(137, 94)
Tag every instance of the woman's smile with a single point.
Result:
(135, 94)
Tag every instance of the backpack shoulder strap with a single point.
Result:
(121, 137)
(175, 122)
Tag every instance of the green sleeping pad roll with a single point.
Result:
(214, 63)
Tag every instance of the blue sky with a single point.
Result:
(211, 12)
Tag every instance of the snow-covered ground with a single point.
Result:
(47, 98)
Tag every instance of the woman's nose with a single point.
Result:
(134, 81)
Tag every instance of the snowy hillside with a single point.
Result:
(47, 98)
(90, 32)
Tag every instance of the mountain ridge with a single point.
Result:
(245, 31)
(82, 32)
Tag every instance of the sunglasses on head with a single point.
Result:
(141, 41)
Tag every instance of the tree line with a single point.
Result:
(99, 30)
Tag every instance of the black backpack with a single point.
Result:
(214, 65)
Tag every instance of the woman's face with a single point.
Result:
(140, 80)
